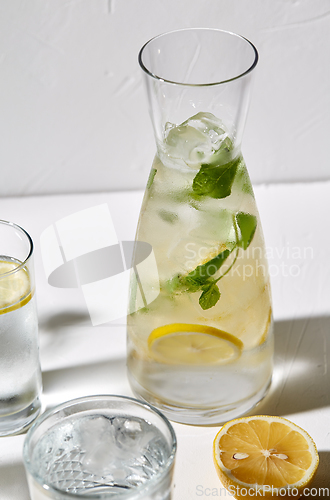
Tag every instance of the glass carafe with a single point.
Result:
(202, 350)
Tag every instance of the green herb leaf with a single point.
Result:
(199, 278)
(210, 296)
(247, 224)
(167, 216)
(215, 181)
(204, 271)
(191, 284)
(152, 174)
(242, 179)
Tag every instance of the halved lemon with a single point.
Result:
(15, 288)
(187, 344)
(264, 456)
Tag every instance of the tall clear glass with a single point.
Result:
(20, 373)
(202, 350)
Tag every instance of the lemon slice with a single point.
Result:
(264, 456)
(181, 343)
(15, 288)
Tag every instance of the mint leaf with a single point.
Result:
(167, 216)
(242, 179)
(191, 284)
(200, 280)
(247, 224)
(215, 181)
(210, 296)
(152, 174)
(204, 271)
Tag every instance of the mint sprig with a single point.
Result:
(201, 278)
(204, 271)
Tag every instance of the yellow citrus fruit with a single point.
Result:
(15, 288)
(264, 456)
(184, 343)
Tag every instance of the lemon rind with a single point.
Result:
(20, 303)
(227, 477)
(20, 300)
(171, 328)
(178, 328)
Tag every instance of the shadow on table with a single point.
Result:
(13, 482)
(301, 379)
(56, 322)
(322, 479)
(81, 359)
(64, 319)
(106, 377)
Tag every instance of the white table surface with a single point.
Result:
(78, 359)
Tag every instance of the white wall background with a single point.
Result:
(73, 112)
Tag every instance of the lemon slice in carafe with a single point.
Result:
(189, 344)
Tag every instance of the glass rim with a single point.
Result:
(30, 241)
(172, 82)
(99, 496)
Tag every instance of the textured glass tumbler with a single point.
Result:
(100, 447)
(20, 374)
(202, 351)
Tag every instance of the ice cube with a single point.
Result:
(196, 139)
(91, 430)
(128, 432)
(96, 438)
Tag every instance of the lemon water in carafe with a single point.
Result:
(202, 350)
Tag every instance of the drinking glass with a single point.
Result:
(201, 351)
(20, 373)
(100, 447)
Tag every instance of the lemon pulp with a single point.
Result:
(15, 287)
(265, 452)
(188, 344)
